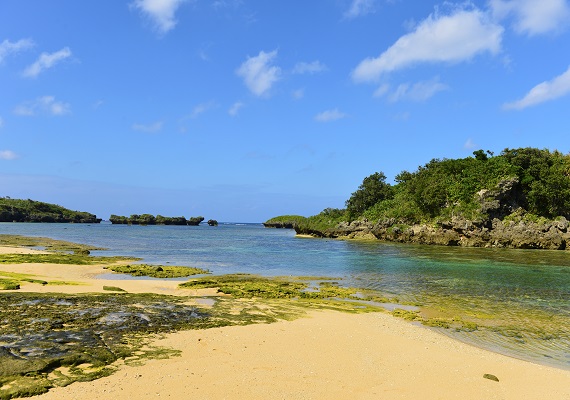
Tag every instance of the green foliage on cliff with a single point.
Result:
(326, 219)
(14, 210)
(373, 189)
(539, 184)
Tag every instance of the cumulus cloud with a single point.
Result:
(7, 155)
(534, 17)
(258, 73)
(235, 108)
(330, 115)
(359, 8)
(7, 47)
(309, 68)
(419, 91)
(148, 128)
(545, 91)
(160, 12)
(452, 38)
(46, 61)
(42, 105)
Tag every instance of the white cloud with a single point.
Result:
(382, 90)
(359, 8)
(298, 94)
(419, 91)
(309, 68)
(438, 39)
(7, 47)
(201, 109)
(545, 91)
(160, 12)
(42, 105)
(234, 109)
(469, 144)
(45, 61)
(258, 72)
(330, 115)
(149, 128)
(533, 17)
(7, 155)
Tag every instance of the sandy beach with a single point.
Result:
(326, 355)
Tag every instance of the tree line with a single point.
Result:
(444, 188)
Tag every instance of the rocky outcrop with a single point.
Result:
(550, 235)
(195, 221)
(505, 225)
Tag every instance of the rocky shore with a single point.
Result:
(505, 224)
(551, 235)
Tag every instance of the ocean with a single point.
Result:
(515, 302)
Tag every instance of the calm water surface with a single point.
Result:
(519, 299)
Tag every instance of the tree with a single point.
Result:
(372, 190)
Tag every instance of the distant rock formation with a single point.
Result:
(194, 221)
(212, 222)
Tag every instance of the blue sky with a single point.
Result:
(241, 110)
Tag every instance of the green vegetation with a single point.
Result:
(326, 219)
(443, 188)
(15, 210)
(59, 258)
(284, 221)
(79, 337)
(114, 289)
(194, 221)
(250, 286)
(373, 189)
(46, 244)
(148, 219)
(156, 271)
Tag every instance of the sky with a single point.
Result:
(241, 110)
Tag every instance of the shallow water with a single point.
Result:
(518, 299)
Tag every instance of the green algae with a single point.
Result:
(156, 271)
(13, 280)
(45, 243)
(58, 339)
(60, 258)
(250, 286)
(113, 289)
(9, 284)
(49, 340)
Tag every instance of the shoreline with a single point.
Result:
(327, 354)
(365, 356)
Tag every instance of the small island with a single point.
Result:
(148, 219)
(517, 199)
(16, 210)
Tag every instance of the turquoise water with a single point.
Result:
(519, 299)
